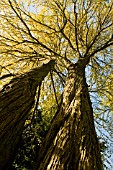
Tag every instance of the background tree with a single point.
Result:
(69, 32)
(16, 100)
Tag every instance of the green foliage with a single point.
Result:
(33, 134)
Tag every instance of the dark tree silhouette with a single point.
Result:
(16, 100)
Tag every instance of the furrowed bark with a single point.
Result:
(71, 142)
(16, 100)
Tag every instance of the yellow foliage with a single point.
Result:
(33, 31)
(109, 92)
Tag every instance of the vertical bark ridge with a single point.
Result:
(71, 143)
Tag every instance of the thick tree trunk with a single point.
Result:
(16, 100)
(71, 142)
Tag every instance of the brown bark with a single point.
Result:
(16, 100)
(71, 142)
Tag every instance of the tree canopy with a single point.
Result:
(34, 32)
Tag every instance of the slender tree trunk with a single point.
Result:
(71, 142)
(16, 100)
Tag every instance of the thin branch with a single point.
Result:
(95, 38)
(39, 22)
(37, 101)
(29, 32)
(61, 78)
(64, 35)
(54, 88)
(107, 44)
(76, 30)
(24, 23)
(6, 75)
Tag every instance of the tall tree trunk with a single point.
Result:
(16, 100)
(71, 142)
